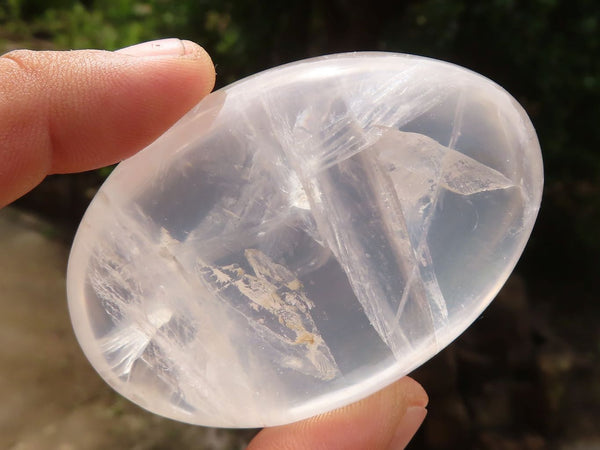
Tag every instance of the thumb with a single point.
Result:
(79, 110)
(387, 419)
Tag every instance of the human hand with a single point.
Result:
(66, 112)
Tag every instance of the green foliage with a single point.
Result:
(100, 24)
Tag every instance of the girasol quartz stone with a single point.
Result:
(304, 237)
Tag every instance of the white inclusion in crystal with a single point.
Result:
(297, 193)
(125, 345)
(275, 304)
(134, 326)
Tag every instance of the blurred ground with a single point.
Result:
(525, 376)
(51, 397)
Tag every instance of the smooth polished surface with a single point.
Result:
(304, 237)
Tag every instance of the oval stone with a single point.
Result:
(304, 237)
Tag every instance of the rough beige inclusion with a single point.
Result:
(275, 290)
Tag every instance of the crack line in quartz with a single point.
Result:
(375, 306)
(422, 252)
(342, 242)
(398, 237)
(401, 241)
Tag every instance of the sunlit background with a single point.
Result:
(525, 376)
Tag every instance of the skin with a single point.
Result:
(63, 112)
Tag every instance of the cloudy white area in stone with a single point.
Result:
(304, 237)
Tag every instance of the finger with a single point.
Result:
(386, 420)
(72, 111)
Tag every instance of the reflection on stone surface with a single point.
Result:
(304, 237)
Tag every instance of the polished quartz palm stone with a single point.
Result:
(304, 237)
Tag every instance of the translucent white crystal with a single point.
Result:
(304, 237)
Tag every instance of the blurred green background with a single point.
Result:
(527, 374)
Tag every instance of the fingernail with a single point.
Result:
(163, 47)
(408, 426)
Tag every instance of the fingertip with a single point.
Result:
(207, 67)
(80, 110)
(412, 391)
(172, 48)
